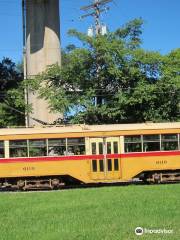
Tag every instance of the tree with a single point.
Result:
(111, 79)
(12, 102)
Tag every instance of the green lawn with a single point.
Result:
(108, 213)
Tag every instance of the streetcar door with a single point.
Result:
(97, 162)
(112, 158)
(105, 164)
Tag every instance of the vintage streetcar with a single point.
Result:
(52, 157)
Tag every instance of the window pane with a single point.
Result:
(169, 142)
(18, 148)
(169, 146)
(101, 165)
(151, 146)
(132, 139)
(169, 137)
(75, 146)
(56, 142)
(56, 147)
(76, 150)
(133, 147)
(109, 161)
(37, 148)
(100, 148)
(151, 137)
(115, 146)
(76, 141)
(116, 165)
(93, 145)
(94, 165)
(2, 149)
(57, 151)
(108, 147)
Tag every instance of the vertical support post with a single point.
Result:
(6, 147)
(42, 50)
(105, 156)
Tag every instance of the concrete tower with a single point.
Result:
(42, 49)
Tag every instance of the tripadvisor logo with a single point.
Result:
(139, 231)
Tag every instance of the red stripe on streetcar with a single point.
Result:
(88, 157)
(150, 154)
(51, 158)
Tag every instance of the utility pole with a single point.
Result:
(24, 58)
(98, 7)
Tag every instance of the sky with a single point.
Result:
(161, 29)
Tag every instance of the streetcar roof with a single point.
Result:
(89, 128)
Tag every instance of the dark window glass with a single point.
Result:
(169, 142)
(169, 137)
(100, 148)
(108, 147)
(1, 149)
(75, 146)
(18, 148)
(57, 142)
(169, 146)
(132, 143)
(93, 145)
(101, 165)
(76, 141)
(37, 148)
(116, 165)
(133, 147)
(151, 146)
(56, 147)
(94, 165)
(151, 138)
(109, 161)
(151, 143)
(132, 139)
(115, 146)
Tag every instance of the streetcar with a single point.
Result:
(53, 157)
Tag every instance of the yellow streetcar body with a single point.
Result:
(90, 154)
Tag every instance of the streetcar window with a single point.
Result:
(169, 142)
(100, 148)
(116, 165)
(109, 163)
(94, 165)
(18, 148)
(37, 148)
(1, 149)
(108, 147)
(101, 165)
(75, 146)
(132, 139)
(169, 137)
(151, 143)
(132, 144)
(115, 147)
(56, 147)
(151, 138)
(93, 146)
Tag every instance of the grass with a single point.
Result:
(108, 213)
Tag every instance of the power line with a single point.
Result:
(22, 113)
